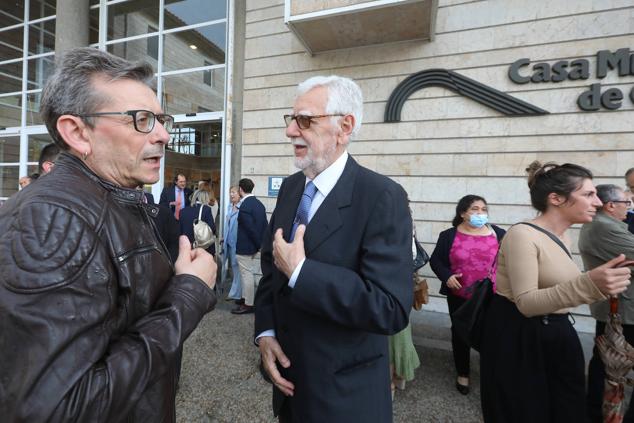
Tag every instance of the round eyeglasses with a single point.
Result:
(143, 120)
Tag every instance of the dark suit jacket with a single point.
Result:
(439, 260)
(355, 287)
(149, 197)
(169, 194)
(251, 226)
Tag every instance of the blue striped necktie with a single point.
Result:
(301, 218)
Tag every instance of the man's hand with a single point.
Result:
(271, 352)
(287, 256)
(196, 262)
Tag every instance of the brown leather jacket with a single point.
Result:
(91, 314)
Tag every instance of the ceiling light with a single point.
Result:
(193, 47)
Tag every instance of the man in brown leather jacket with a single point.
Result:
(92, 312)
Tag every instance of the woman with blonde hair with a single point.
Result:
(200, 198)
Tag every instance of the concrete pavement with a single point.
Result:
(220, 381)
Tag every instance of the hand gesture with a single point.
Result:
(611, 278)
(287, 256)
(271, 352)
(453, 282)
(196, 262)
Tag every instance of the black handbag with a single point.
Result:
(422, 258)
(468, 320)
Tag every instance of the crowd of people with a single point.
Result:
(100, 287)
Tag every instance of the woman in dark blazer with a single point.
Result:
(200, 198)
(464, 254)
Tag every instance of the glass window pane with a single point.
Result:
(12, 13)
(36, 143)
(41, 8)
(11, 45)
(10, 111)
(42, 37)
(134, 50)
(33, 109)
(8, 179)
(188, 92)
(195, 47)
(39, 70)
(188, 12)
(11, 77)
(93, 30)
(9, 149)
(133, 17)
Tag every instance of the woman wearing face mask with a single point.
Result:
(464, 254)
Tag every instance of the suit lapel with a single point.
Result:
(327, 219)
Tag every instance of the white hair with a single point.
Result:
(344, 96)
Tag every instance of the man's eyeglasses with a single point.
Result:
(304, 121)
(626, 202)
(144, 120)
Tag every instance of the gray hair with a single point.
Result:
(70, 91)
(344, 96)
(608, 192)
(200, 196)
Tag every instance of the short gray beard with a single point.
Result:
(313, 166)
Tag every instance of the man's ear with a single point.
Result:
(74, 132)
(347, 124)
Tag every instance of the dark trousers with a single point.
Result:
(531, 369)
(461, 350)
(596, 379)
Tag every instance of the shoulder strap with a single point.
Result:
(550, 235)
(200, 212)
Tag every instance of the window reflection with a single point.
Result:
(10, 113)
(12, 13)
(10, 149)
(39, 70)
(132, 18)
(195, 47)
(11, 45)
(11, 77)
(41, 8)
(8, 178)
(36, 143)
(33, 109)
(135, 50)
(42, 37)
(188, 92)
(188, 12)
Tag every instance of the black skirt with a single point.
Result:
(532, 369)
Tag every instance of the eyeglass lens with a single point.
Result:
(303, 121)
(145, 120)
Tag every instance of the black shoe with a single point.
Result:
(463, 389)
(239, 302)
(243, 309)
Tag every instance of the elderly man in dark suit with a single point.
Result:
(601, 240)
(177, 196)
(337, 269)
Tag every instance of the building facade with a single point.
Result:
(460, 95)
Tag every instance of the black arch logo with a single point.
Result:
(459, 84)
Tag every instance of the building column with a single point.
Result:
(72, 25)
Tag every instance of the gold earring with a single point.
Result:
(85, 155)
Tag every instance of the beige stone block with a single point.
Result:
(482, 14)
(592, 25)
(299, 7)
(272, 45)
(275, 9)
(264, 28)
(253, 5)
(469, 64)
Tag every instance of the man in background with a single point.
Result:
(177, 196)
(251, 228)
(601, 240)
(48, 156)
